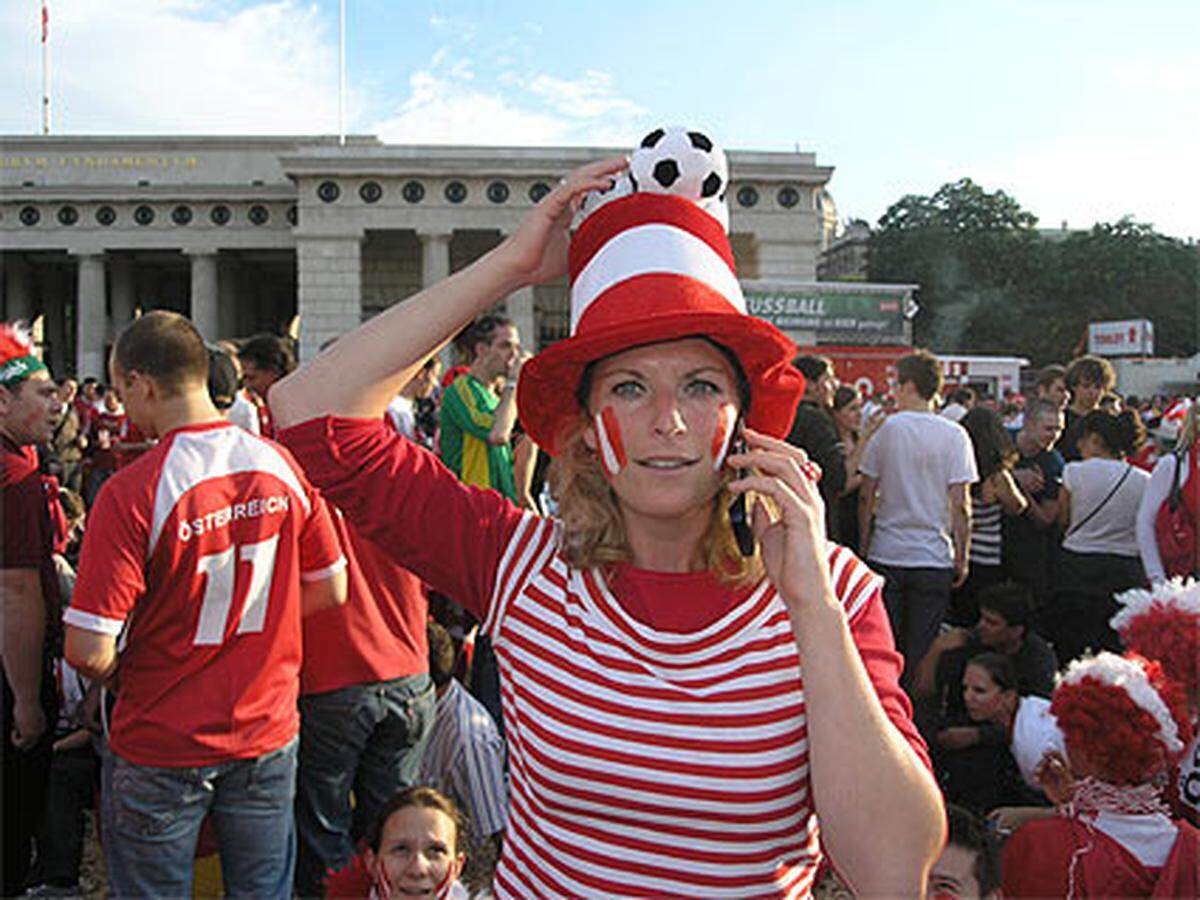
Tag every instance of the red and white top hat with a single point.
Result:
(651, 262)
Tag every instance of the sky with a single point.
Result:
(1083, 110)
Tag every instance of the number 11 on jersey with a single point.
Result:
(220, 571)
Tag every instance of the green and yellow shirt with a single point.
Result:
(468, 411)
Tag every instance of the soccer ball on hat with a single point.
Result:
(621, 186)
(680, 162)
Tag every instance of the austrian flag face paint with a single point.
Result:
(608, 435)
(723, 436)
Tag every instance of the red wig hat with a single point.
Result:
(1124, 713)
(18, 359)
(1163, 624)
(651, 262)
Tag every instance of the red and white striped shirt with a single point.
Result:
(656, 725)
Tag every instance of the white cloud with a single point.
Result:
(444, 107)
(169, 66)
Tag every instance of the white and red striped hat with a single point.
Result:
(655, 265)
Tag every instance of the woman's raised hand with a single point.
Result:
(793, 541)
(537, 251)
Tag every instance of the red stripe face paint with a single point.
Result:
(723, 436)
(608, 436)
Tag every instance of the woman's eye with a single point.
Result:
(628, 389)
(700, 387)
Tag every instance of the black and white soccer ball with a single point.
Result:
(682, 163)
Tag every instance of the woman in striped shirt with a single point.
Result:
(683, 719)
(992, 497)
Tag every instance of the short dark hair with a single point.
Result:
(1051, 374)
(442, 655)
(813, 367)
(269, 352)
(422, 796)
(969, 831)
(924, 371)
(844, 396)
(1121, 433)
(483, 331)
(165, 346)
(963, 395)
(1091, 370)
(1011, 600)
(222, 378)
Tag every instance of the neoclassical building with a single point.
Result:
(244, 234)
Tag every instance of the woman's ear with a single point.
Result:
(589, 435)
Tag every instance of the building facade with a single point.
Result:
(270, 234)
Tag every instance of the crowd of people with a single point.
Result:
(362, 628)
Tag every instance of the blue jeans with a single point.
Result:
(916, 600)
(152, 816)
(365, 739)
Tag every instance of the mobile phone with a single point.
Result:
(738, 516)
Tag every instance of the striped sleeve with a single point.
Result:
(860, 590)
(527, 553)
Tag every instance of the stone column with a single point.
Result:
(520, 310)
(91, 321)
(329, 275)
(18, 289)
(227, 298)
(204, 294)
(435, 256)
(124, 300)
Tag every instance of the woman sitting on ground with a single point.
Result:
(690, 709)
(985, 760)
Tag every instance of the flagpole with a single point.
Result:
(45, 69)
(342, 72)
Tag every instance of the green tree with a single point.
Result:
(990, 283)
(969, 250)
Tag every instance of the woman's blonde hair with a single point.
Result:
(593, 528)
(1187, 431)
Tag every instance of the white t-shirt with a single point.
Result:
(916, 457)
(1158, 491)
(244, 414)
(403, 418)
(1113, 528)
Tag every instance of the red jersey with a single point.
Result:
(27, 532)
(196, 552)
(378, 635)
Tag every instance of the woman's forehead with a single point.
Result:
(667, 357)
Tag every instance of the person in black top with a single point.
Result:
(1089, 378)
(815, 432)
(1031, 538)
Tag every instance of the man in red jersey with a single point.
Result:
(265, 358)
(29, 410)
(204, 554)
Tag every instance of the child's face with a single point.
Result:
(418, 853)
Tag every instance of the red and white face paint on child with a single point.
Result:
(723, 435)
(608, 437)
